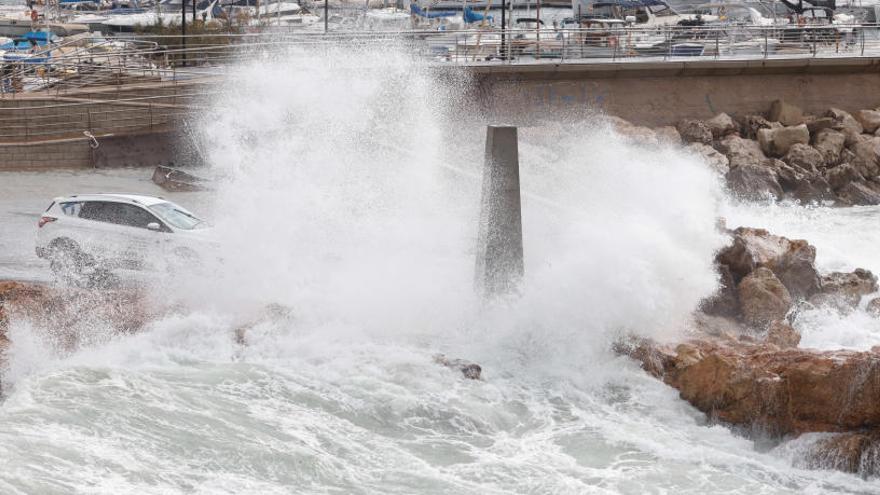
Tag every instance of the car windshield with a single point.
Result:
(177, 216)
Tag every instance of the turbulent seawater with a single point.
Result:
(350, 198)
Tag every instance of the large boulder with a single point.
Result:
(751, 124)
(785, 113)
(721, 125)
(858, 194)
(776, 392)
(866, 157)
(816, 124)
(851, 452)
(805, 157)
(813, 190)
(715, 160)
(777, 142)
(870, 120)
(695, 131)
(782, 334)
(753, 182)
(762, 298)
(668, 135)
(791, 260)
(846, 123)
(724, 302)
(830, 144)
(842, 175)
(637, 134)
(741, 151)
(845, 290)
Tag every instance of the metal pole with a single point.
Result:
(183, 30)
(326, 13)
(503, 27)
(194, 13)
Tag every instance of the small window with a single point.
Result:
(71, 208)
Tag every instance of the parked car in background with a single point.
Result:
(87, 232)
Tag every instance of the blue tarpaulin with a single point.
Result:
(471, 16)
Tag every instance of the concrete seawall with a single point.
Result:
(663, 93)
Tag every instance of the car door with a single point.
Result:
(142, 246)
(96, 233)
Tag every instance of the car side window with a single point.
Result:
(117, 213)
(135, 216)
(71, 208)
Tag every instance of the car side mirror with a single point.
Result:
(154, 226)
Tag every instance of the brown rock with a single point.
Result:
(852, 452)
(845, 290)
(792, 261)
(762, 298)
(870, 120)
(752, 123)
(866, 153)
(816, 124)
(721, 125)
(469, 370)
(753, 182)
(845, 123)
(858, 194)
(776, 392)
(695, 131)
(783, 335)
(805, 157)
(842, 175)
(724, 302)
(715, 160)
(813, 190)
(667, 134)
(777, 142)
(830, 144)
(785, 113)
(741, 151)
(873, 307)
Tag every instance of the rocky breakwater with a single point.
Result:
(784, 154)
(742, 365)
(68, 317)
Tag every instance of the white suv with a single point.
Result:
(106, 231)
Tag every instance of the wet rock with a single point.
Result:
(844, 290)
(804, 157)
(791, 260)
(816, 124)
(783, 335)
(753, 182)
(852, 452)
(841, 175)
(870, 120)
(866, 157)
(715, 160)
(695, 131)
(777, 142)
(773, 391)
(721, 125)
(858, 194)
(785, 113)
(787, 176)
(668, 135)
(724, 302)
(741, 151)
(813, 190)
(762, 298)
(846, 123)
(873, 307)
(751, 124)
(469, 370)
(830, 144)
(637, 134)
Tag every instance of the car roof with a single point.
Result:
(115, 197)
